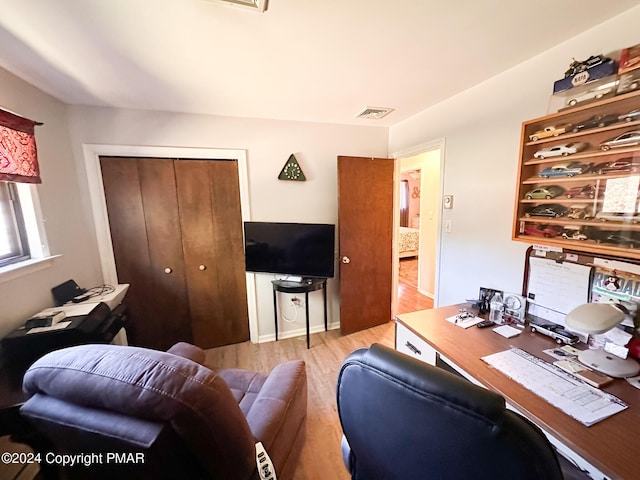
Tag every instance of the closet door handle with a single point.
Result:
(167, 270)
(202, 267)
(346, 260)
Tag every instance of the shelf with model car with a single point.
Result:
(579, 180)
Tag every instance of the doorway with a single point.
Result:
(418, 227)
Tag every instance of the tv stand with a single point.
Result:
(305, 286)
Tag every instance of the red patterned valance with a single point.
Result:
(18, 155)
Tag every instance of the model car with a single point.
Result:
(557, 332)
(618, 217)
(580, 212)
(568, 169)
(627, 139)
(540, 230)
(574, 235)
(550, 131)
(623, 239)
(552, 210)
(631, 116)
(597, 121)
(558, 150)
(544, 192)
(589, 191)
(624, 165)
(593, 94)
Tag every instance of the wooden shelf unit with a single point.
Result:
(597, 230)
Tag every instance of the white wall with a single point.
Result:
(482, 130)
(268, 145)
(68, 230)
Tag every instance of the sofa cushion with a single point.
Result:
(156, 386)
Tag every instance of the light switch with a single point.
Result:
(448, 225)
(448, 201)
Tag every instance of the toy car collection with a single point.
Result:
(558, 150)
(557, 332)
(593, 94)
(597, 121)
(580, 212)
(627, 139)
(550, 131)
(568, 169)
(624, 165)
(624, 239)
(544, 192)
(574, 235)
(618, 217)
(589, 191)
(551, 210)
(540, 230)
(631, 116)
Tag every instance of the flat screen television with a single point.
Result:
(301, 249)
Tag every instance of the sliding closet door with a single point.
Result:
(211, 225)
(147, 243)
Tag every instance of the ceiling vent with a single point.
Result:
(255, 5)
(375, 113)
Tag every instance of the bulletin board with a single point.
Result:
(557, 280)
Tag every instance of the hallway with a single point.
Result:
(409, 299)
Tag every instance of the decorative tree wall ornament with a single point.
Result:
(292, 170)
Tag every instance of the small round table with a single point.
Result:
(306, 286)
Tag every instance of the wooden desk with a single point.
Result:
(607, 449)
(100, 328)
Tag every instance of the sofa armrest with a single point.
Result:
(188, 351)
(277, 417)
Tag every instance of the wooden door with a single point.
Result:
(211, 224)
(176, 229)
(144, 220)
(365, 212)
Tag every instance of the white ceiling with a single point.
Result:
(308, 60)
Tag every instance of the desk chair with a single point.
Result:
(404, 419)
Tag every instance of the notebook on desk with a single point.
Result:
(580, 401)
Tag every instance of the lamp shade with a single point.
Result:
(594, 318)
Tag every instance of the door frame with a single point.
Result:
(406, 153)
(92, 154)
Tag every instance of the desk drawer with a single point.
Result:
(411, 344)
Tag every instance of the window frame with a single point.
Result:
(17, 229)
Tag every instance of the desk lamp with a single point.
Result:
(597, 318)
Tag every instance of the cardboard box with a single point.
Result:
(629, 81)
(605, 69)
(629, 59)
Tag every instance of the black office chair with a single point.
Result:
(404, 419)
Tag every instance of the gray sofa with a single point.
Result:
(165, 413)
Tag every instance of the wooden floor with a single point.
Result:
(409, 299)
(321, 457)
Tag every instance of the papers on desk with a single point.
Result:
(586, 404)
(464, 321)
(71, 309)
(56, 326)
(507, 331)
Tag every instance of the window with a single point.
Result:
(14, 242)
